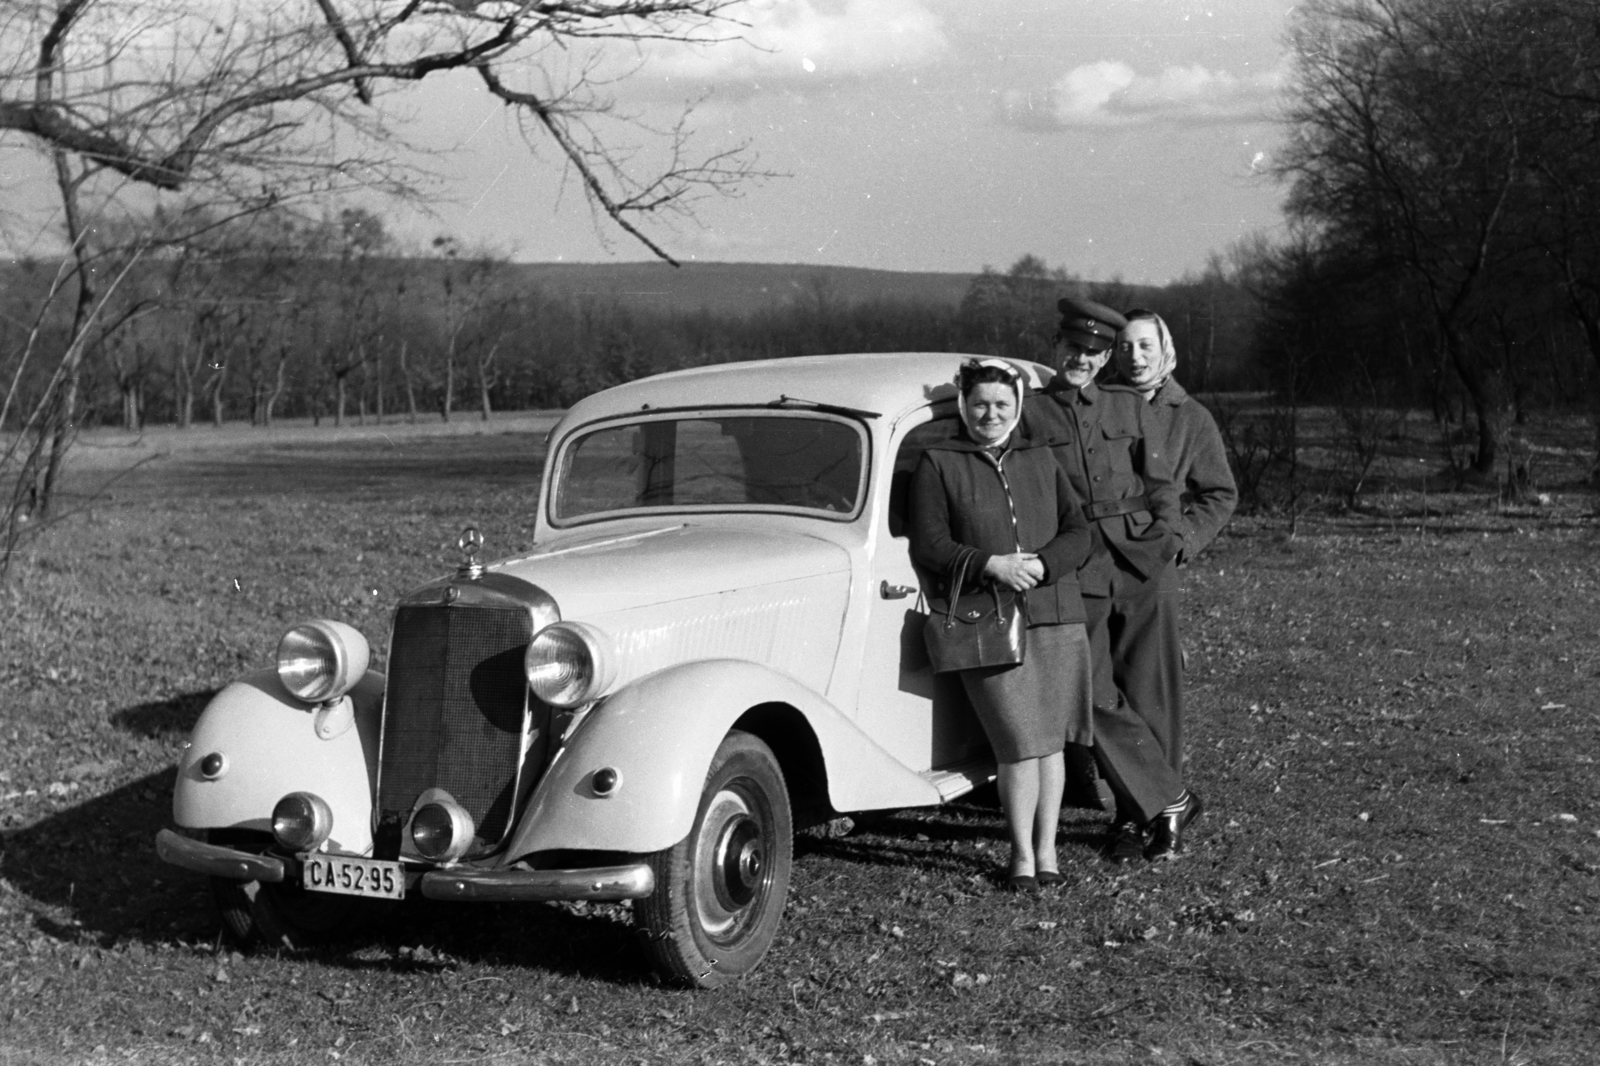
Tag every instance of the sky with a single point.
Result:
(1115, 138)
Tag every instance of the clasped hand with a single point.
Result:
(1020, 570)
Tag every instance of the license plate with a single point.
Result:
(354, 877)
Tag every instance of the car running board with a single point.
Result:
(956, 781)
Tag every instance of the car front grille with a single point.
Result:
(455, 712)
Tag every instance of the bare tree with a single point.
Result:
(177, 93)
(1401, 146)
(250, 104)
(1452, 146)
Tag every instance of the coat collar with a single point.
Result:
(1062, 392)
(1170, 394)
(963, 443)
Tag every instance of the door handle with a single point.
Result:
(895, 592)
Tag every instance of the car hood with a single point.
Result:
(611, 573)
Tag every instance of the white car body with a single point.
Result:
(797, 623)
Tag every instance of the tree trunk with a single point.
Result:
(446, 400)
(338, 389)
(485, 380)
(216, 396)
(411, 389)
(1591, 335)
(277, 389)
(57, 427)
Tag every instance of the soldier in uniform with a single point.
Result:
(1101, 436)
(1185, 436)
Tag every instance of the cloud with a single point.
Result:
(1110, 94)
(795, 42)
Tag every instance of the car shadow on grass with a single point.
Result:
(92, 870)
(160, 719)
(595, 941)
(942, 840)
(93, 876)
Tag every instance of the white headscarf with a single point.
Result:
(1169, 351)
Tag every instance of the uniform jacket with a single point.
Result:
(961, 495)
(1103, 438)
(1197, 462)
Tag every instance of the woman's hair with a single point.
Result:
(975, 372)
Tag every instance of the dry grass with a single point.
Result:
(1395, 720)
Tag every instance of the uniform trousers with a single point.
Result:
(1140, 628)
(1138, 691)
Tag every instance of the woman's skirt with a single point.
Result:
(1035, 708)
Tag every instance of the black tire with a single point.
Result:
(259, 914)
(720, 891)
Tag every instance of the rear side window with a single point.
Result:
(905, 464)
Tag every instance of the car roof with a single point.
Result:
(887, 383)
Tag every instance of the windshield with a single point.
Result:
(776, 461)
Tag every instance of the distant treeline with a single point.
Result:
(323, 321)
(275, 316)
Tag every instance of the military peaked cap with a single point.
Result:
(1090, 324)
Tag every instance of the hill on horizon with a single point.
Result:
(735, 288)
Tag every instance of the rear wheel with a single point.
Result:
(278, 915)
(720, 891)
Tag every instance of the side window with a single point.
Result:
(905, 462)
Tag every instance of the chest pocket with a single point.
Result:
(1122, 445)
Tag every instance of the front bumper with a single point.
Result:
(216, 860)
(601, 884)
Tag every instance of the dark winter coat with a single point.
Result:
(961, 495)
(1197, 461)
(1099, 435)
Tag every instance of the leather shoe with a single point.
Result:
(1127, 842)
(1166, 841)
(1048, 878)
(1021, 883)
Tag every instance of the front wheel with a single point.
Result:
(720, 890)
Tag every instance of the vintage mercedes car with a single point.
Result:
(716, 637)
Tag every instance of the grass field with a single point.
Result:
(1394, 719)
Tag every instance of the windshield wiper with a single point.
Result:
(826, 408)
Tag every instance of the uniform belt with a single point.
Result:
(1112, 508)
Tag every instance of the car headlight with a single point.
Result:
(569, 663)
(441, 831)
(321, 661)
(302, 821)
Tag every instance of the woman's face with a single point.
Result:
(990, 411)
(1139, 356)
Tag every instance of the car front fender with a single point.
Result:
(660, 735)
(272, 744)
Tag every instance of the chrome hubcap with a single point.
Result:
(730, 869)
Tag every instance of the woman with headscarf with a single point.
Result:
(1182, 439)
(1191, 444)
(997, 494)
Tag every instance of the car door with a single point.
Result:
(923, 719)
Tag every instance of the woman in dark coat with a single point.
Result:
(1006, 499)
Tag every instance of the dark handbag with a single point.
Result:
(985, 628)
